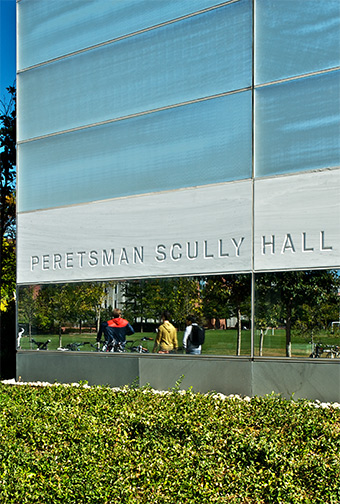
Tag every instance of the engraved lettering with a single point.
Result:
(34, 262)
(288, 244)
(220, 249)
(108, 257)
(206, 255)
(81, 256)
(93, 258)
(322, 242)
(69, 260)
(270, 243)
(172, 251)
(138, 254)
(304, 244)
(189, 256)
(57, 261)
(237, 245)
(160, 250)
(45, 262)
(123, 257)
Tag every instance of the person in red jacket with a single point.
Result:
(115, 332)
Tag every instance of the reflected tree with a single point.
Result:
(228, 296)
(61, 305)
(58, 305)
(89, 301)
(147, 299)
(28, 306)
(306, 299)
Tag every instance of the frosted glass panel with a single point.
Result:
(297, 125)
(196, 144)
(48, 29)
(294, 37)
(297, 221)
(192, 231)
(200, 56)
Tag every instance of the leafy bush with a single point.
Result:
(62, 444)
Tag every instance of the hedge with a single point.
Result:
(67, 444)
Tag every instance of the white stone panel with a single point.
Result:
(201, 230)
(297, 221)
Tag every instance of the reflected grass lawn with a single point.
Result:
(217, 342)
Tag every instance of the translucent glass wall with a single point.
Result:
(297, 92)
(295, 38)
(167, 149)
(153, 109)
(112, 73)
(180, 138)
(67, 27)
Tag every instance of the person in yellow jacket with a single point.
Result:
(166, 340)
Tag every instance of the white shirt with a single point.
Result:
(186, 343)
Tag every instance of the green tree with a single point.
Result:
(135, 300)
(228, 296)
(89, 301)
(58, 304)
(28, 306)
(147, 299)
(7, 199)
(7, 234)
(8, 277)
(216, 297)
(297, 298)
(183, 298)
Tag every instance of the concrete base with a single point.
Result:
(299, 378)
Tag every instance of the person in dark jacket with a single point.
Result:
(115, 331)
(188, 345)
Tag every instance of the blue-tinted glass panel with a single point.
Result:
(297, 125)
(49, 29)
(202, 143)
(295, 37)
(197, 57)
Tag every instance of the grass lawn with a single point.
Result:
(217, 342)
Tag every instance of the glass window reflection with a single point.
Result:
(297, 313)
(67, 317)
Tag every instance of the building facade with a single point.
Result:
(167, 139)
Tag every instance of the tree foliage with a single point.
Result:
(147, 299)
(300, 301)
(58, 306)
(7, 197)
(306, 300)
(228, 296)
(8, 277)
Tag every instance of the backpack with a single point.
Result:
(197, 335)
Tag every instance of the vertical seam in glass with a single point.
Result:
(252, 332)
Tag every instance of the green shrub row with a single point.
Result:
(98, 445)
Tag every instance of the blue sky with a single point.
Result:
(7, 45)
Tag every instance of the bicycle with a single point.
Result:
(128, 346)
(138, 348)
(331, 351)
(41, 345)
(74, 346)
